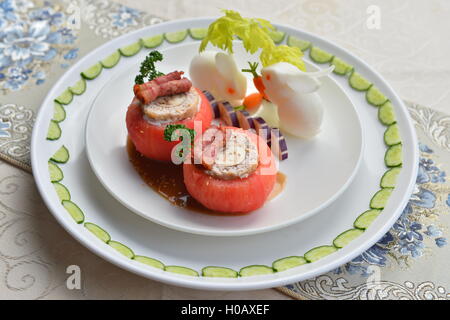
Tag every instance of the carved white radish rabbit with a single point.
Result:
(300, 107)
(218, 73)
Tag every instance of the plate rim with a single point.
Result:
(327, 263)
(230, 233)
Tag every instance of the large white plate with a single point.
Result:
(197, 251)
(312, 179)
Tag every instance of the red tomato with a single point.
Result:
(236, 195)
(149, 139)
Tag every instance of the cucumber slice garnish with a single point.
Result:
(198, 33)
(55, 172)
(150, 262)
(92, 72)
(299, 43)
(59, 114)
(320, 56)
(375, 97)
(175, 37)
(74, 211)
(62, 192)
(255, 270)
(111, 60)
(79, 87)
(389, 179)
(366, 218)
(319, 252)
(393, 156)
(98, 232)
(65, 98)
(181, 270)
(121, 248)
(152, 42)
(392, 135)
(131, 50)
(61, 155)
(346, 237)
(288, 263)
(340, 66)
(380, 198)
(358, 82)
(54, 131)
(219, 272)
(386, 113)
(277, 36)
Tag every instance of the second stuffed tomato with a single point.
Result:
(232, 170)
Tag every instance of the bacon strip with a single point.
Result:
(175, 75)
(164, 89)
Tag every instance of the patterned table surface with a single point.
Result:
(407, 50)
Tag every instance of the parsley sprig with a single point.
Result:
(170, 128)
(148, 68)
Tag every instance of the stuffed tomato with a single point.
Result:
(147, 118)
(232, 170)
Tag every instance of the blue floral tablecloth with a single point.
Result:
(39, 40)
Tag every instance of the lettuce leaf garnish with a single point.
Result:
(254, 34)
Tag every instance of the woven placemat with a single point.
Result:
(398, 266)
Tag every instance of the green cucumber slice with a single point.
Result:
(177, 36)
(219, 272)
(59, 114)
(288, 263)
(98, 232)
(79, 87)
(346, 237)
(389, 179)
(358, 82)
(61, 190)
(152, 42)
(366, 218)
(198, 33)
(55, 172)
(386, 113)
(181, 270)
(319, 252)
(65, 98)
(320, 56)
(54, 131)
(380, 198)
(150, 262)
(111, 60)
(131, 50)
(277, 36)
(74, 211)
(393, 156)
(375, 97)
(61, 155)
(92, 72)
(299, 43)
(121, 248)
(392, 135)
(255, 270)
(340, 66)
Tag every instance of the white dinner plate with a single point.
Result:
(312, 179)
(134, 235)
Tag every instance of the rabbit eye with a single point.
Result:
(268, 77)
(231, 91)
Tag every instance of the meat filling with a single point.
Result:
(173, 107)
(232, 155)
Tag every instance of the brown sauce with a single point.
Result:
(166, 179)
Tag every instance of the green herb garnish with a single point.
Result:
(148, 68)
(255, 35)
(170, 128)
